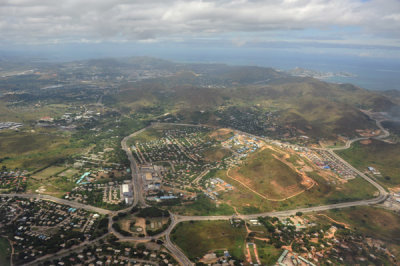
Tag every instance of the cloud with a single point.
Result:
(44, 21)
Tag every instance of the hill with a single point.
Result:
(384, 157)
(308, 106)
(259, 100)
(269, 176)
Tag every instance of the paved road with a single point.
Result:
(175, 219)
(73, 204)
(65, 252)
(383, 135)
(180, 256)
(175, 251)
(137, 181)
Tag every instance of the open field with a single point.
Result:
(55, 186)
(149, 134)
(33, 150)
(69, 173)
(221, 134)
(267, 254)
(323, 192)
(269, 176)
(214, 154)
(29, 113)
(49, 172)
(198, 238)
(372, 222)
(5, 251)
(382, 156)
(203, 206)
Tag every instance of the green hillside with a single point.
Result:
(317, 108)
(385, 157)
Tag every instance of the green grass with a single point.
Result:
(268, 175)
(203, 206)
(69, 173)
(262, 168)
(149, 134)
(252, 254)
(5, 251)
(382, 156)
(48, 172)
(247, 202)
(325, 193)
(200, 237)
(29, 113)
(55, 186)
(371, 221)
(267, 254)
(374, 222)
(33, 150)
(214, 154)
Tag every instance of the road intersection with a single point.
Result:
(176, 219)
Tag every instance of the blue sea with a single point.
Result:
(370, 73)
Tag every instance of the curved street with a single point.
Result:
(176, 219)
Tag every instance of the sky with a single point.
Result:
(373, 25)
(190, 29)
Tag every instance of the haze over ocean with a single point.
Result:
(372, 73)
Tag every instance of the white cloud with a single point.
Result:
(36, 21)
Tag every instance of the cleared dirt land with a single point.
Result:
(221, 134)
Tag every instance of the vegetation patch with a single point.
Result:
(268, 176)
(267, 253)
(323, 192)
(371, 221)
(33, 151)
(203, 206)
(5, 251)
(200, 237)
(152, 212)
(384, 157)
(214, 154)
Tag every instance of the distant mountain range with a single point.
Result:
(307, 104)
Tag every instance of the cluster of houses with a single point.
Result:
(214, 186)
(39, 227)
(242, 144)
(69, 120)
(181, 150)
(13, 180)
(327, 161)
(177, 146)
(113, 192)
(111, 255)
(313, 244)
(10, 125)
(98, 159)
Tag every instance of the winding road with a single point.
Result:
(176, 219)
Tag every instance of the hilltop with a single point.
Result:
(261, 100)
